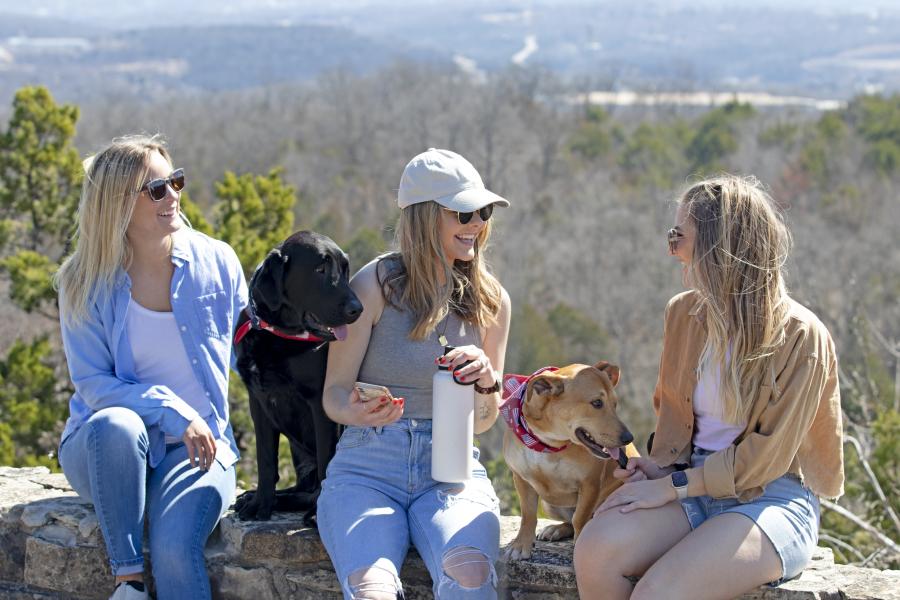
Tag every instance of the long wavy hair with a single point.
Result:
(411, 277)
(111, 186)
(740, 249)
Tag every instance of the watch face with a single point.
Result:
(679, 479)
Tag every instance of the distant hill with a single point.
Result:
(13, 24)
(651, 46)
(166, 59)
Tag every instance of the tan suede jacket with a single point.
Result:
(795, 422)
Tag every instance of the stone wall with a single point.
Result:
(51, 548)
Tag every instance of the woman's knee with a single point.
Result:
(468, 567)
(118, 428)
(374, 583)
(601, 541)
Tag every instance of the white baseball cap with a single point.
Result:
(447, 178)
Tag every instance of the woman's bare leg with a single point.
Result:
(613, 546)
(723, 558)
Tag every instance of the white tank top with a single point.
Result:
(710, 431)
(160, 358)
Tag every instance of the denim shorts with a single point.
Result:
(787, 512)
(378, 497)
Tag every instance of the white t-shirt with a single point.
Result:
(710, 431)
(160, 357)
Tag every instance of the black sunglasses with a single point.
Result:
(157, 187)
(484, 212)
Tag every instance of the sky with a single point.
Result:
(91, 9)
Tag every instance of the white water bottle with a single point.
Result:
(452, 427)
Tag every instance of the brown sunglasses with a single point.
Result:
(156, 188)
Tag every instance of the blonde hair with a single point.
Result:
(112, 182)
(740, 249)
(413, 280)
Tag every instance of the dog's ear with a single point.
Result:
(612, 371)
(540, 390)
(268, 287)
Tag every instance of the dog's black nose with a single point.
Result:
(627, 438)
(352, 310)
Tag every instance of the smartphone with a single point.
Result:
(370, 391)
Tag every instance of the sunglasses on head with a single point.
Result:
(484, 212)
(156, 188)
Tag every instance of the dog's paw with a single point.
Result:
(251, 507)
(556, 532)
(310, 519)
(242, 500)
(519, 550)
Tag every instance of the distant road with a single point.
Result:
(530, 48)
(758, 99)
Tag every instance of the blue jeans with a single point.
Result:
(105, 461)
(378, 497)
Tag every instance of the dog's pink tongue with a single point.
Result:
(613, 453)
(340, 332)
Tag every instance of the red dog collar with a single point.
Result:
(514, 387)
(263, 326)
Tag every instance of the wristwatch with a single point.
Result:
(680, 483)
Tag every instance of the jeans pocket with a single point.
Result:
(353, 437)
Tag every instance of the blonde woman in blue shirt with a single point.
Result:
(146, 309)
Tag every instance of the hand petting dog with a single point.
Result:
(644, 486)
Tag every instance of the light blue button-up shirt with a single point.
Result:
(208, 292)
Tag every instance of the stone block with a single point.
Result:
(231, 582)
(282, 539)
(80, 570)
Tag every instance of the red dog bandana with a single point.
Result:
(514, 387)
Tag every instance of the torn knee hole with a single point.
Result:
(374, 583)
(469, 567)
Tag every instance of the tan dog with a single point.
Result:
(573, 407)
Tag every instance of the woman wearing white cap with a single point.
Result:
(379, 496)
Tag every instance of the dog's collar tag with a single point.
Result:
(514, 387)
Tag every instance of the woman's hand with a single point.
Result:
(200, 444)
(479, 370)
(373, 413)
(640, 468)
(649, 493)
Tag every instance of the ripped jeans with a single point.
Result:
(378, 497)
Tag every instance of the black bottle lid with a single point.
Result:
(448, 348)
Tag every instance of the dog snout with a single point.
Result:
(352, 310)
(626, 437)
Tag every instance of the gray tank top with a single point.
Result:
(406, 366)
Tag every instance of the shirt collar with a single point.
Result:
(181, 247)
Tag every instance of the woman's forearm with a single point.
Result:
(486, 411)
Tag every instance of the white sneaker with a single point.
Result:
(127, 592)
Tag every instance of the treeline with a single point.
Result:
(581, 251)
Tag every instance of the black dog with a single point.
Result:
(300, 299)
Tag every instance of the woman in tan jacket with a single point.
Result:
(748, 432)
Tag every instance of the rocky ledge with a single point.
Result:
(51, 548)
